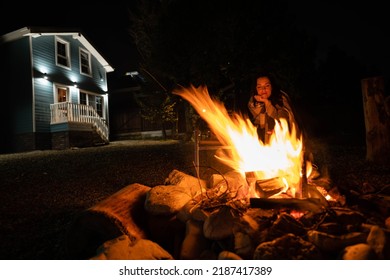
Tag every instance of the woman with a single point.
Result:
(267, 105)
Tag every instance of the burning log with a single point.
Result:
(269, 187)
(303, 187)
(308, 204)
(265, 188)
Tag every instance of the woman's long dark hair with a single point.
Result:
(276, 93)
(276, 97)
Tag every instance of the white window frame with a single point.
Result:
(86, 97)
(91, 95)
(101, 109)
(82, 53)
(67, 53)
(56, 88)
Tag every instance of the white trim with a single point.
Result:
(34, 32)
(55, 92)
(82, 50)
(104, 101)
(67, 50)
(33, 87)
(93, 51)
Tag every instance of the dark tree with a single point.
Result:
(222, 44)
(218, 42)
(339, 101)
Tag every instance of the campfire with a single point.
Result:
(267, 206)
(275, 169)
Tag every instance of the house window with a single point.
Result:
(91, 100)
(99, 105)
(83, 98)
(95, 101)
(85, 62)
(62, 94)
(62, 53)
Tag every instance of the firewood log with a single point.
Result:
(122, 213)
(308, 204)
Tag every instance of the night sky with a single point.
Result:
(358, 29)
(105, 25)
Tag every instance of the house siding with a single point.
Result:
(43, 98)
(19, 89)
(44, 61)
(16, 93)
(88, 83)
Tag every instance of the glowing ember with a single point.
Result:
(281, 157)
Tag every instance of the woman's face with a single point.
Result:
(263, 87)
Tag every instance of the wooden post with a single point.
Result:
(377, 120)
(303, 181)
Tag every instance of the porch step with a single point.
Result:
(98, 138)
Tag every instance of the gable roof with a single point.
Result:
(44, 31)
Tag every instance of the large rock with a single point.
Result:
(219, 225)
(194, 243)
(361, 251)
(170, 198)
(287, 247)
(122, 248)
(167, 200)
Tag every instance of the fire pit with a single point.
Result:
(266, 206)
(189, 218)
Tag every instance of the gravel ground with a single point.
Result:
(42, 191)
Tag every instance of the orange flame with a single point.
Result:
(281, 157)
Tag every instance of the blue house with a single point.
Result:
(54, 91)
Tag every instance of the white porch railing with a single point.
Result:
(80, 113)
